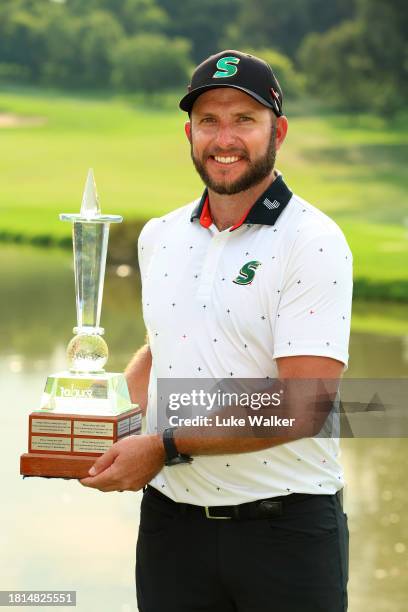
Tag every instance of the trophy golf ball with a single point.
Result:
(87, 353)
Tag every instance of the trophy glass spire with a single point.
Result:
(88, 352)
(86, 388)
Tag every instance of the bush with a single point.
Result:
(14, 73)
(151, 62)
(367, 289)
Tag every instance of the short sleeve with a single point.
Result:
(314, 312)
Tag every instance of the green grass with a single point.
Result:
(352, 167)
(140, 160)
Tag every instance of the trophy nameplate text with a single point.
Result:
(83, 410)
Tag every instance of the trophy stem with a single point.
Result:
(90, 242)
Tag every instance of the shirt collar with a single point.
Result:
(265, 211)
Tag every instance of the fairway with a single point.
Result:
(351, 167)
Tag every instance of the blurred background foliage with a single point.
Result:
(352, 53)
(97, 82)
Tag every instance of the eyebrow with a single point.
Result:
(237, 114)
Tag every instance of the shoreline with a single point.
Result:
(123, 250)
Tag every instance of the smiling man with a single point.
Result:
(247, 282)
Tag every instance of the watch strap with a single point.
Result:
(172, 456)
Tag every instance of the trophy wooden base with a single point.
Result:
(67, 445)
(55, 466)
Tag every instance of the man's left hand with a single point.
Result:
(128, 465)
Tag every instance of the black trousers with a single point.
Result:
(296, 562)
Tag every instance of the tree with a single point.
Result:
(290, 81)
(384, 25)
(204, 23)
(335, 68)
(151, 62)
(283, 25)
(144, 17)
(98, 34)
(21, 40)
(64, 62)
(362, 64)
(135, 16)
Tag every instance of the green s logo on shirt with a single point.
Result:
(226, 67)
(247, 273)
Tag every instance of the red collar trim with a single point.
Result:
(205, 217)
(242, 219)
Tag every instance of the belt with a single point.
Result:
(259, 509)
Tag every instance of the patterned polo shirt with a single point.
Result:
(202, 323)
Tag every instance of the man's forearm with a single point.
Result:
(137, 375)
(222, 446)
(221, 436)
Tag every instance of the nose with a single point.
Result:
(225, 137)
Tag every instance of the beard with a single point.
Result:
(257, 171)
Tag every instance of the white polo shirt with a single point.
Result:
(201, 323)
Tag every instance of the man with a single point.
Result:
(248, 282)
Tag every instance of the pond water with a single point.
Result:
(57, 535)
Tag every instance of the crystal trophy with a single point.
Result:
(83, 410)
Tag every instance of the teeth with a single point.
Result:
(226, 160)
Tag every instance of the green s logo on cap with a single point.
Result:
(226, 67)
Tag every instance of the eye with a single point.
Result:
(207, 120)
(244, 118)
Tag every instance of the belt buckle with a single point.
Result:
(219, 518)
(269, 507)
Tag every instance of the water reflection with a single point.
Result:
(37, 307)
(57, 535)
(377, 356)
(376, 500)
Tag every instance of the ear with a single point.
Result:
(281, 130)
(187, 129)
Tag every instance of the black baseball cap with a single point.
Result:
(238, 70)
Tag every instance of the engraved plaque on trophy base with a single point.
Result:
(66, 445)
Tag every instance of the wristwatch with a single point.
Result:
(172, 456)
